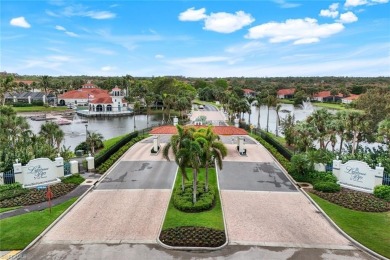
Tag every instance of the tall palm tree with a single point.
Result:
(259, 103)
(148, 101)
(341, 127)
(212, 149)
(178, 142)
(303, 136)
(321, 120)
(270, 102)
(52, 133)
(250, 100)
(277, 109)
(95, 140)
(356, 124)
(45, 84)
(137, 106)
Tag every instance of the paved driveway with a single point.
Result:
(127, 206)
(262, 206)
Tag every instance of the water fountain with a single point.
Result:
(307, 107)
(77, 126)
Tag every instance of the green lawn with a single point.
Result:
(8, 209)
(17, 232)
(370, 229)
(39, 109)
(212, 218)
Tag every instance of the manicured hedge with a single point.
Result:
(382, 192)
(279, 147)
(327, 186)
(116, 155)
(183, 200)
(104, 156)
(281, 159)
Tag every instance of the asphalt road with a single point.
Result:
(140, 175)
(254, 177)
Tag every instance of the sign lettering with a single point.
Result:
(38, 172)
(355, 174)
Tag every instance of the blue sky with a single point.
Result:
(196, 38)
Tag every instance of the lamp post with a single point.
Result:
(86, 132)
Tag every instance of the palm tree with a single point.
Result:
(52, 133)
(95, 140)
(356, 124)
(177, 143)
(45, 84)
(250, 100)
(148, 101)
(270, 101)
(320, 120)
(384, 133)
(340, 126)
(212, 149)
(7, 84)
(259, 103)
(303, 136)
(277, 109)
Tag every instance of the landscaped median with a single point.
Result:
(204, 229)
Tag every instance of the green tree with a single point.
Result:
(213, 149)
(288, 124)
(6, 86)
(270, 101)
(259, 103)
(277, 109)
(320, 120)
(250, 100)
(95, 141)
(52, 134)
(384, 133)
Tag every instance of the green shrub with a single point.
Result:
(315, 177)
(382, 192)
(76, 179)
(300, 165)
(12, 186)
(9, 194)
(327, 187)
(183, 200)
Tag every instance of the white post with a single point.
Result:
(59, 161)
(74, 167)
(379, 175)
(155, 144)
(91, 163)
(1, 178)
(18, 172)
(175, 121)
(29, 99)
(44, 99)
(241, 148)
(336, 168)
(15, 99)
(236, 124)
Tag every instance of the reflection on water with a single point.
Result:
(109, 127)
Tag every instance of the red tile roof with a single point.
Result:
(116, 89)
(219, 130)
(102, 100)
(326, 94)
(83, 93)
(286, 91)
(352, 97)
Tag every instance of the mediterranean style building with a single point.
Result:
(96, 99)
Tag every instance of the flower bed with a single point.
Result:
(193, 237)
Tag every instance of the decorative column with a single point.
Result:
(18, 172)
(59, 161)
(90, 163)
(29, 99)
(241, 148)
(379, 174)
(236, 122)
(74, 167)
(175, 121)
(336, 168)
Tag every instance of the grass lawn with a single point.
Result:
(7, 209)
(212, 218)
(39, 109)
(370, 229)
(17, 232)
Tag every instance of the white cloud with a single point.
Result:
(58, 58)
(50, 13)
(331, 11)
(20, 22)
(380, 1)
(284, 4)
(100, 15)
(349, 3)
(60, 28)
(159, 56)
(298, 30)
(193, 15)
(72, 34)
(107, 68)
(348, 17)
(227, 23)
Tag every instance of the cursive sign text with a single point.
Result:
(356, 175)
(38, 172)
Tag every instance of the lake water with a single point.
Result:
(109, 127)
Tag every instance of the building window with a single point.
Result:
(109, 108)
(99, 108)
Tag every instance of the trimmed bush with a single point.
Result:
(183, 200)
(315, 177)
(9, 194)
(75, 179)
(12, 186)
(330, 187)
(382, 192)
(193, 237)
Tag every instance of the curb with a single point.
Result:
(183, 248)
(333, 224)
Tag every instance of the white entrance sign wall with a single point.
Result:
(18, 172)
(357, 175)
(37, 172)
